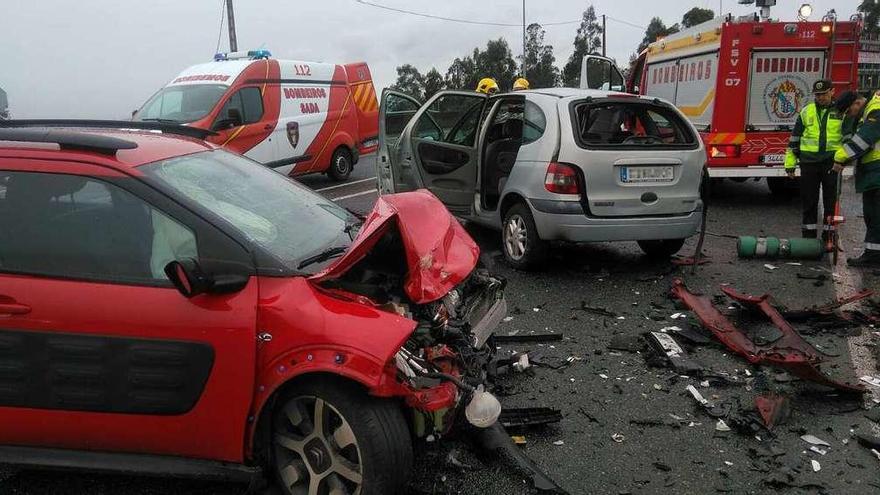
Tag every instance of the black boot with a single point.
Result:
(869, 259)
(808, 234)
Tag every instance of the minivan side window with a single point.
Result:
(248, 102)
(630, 123)
(451, 118)
(77, 227)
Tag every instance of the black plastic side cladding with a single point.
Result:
(94, 373)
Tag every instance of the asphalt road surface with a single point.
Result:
(628, 424)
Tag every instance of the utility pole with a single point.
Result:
(603, 35)
(523, 70)
(233, 43)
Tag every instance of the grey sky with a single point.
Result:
(103, 58)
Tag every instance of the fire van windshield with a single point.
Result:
(184, 103)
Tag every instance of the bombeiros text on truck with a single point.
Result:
(743, 82)
(296, 117)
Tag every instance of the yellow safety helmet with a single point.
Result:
(487, 85)
(521, 83)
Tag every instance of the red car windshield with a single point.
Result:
(286, 219)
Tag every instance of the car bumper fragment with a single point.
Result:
(790, 352)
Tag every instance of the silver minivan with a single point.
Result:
(545, 165)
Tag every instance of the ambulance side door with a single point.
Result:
(241, 128)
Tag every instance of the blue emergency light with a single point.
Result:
(219, 57)
(258, 54)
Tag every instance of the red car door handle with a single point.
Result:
(14, 309)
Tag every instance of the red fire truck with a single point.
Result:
(743, 82)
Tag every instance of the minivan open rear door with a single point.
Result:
(396, 110)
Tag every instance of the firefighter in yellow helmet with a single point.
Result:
(487, 85)
(520, 84)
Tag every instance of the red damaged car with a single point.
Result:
(167, 307)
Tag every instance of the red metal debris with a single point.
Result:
(790, 352)
(773, 409)
(830, 307)
(690, 261)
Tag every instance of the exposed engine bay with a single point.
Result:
(445, 359)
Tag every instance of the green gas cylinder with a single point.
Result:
(774, 247)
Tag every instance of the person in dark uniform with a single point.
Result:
(817, 135)
(863, 151)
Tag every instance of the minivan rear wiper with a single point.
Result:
(322, 256)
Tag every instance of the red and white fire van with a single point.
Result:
(743, 82)
(296, 117)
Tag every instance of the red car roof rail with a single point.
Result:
(163, 127)
(69, 140)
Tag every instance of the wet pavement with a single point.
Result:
(629, 426)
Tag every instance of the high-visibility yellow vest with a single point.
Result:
(812, 120)
(874, 154)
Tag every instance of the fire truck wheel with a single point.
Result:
(783, 186)
(340, 165)
(329, 436)
(662, 248)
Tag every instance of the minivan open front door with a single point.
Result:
(443, 138)
(395, 111)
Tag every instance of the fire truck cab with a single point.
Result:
(743, 82)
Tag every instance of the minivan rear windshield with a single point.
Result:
(184, 103)
(637, 124)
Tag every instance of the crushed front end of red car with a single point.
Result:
(413, 258)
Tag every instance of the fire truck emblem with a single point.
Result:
(293, 133)
(784, 97)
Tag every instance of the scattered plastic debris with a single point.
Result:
(678, 316)
(812, 440)
(559, 442)
(774, 409)
(871, 380)
(617, 437)
(818, 450)
(517, 338)
(721, 426)
(698, 396)
(770, 267)
(816, 465)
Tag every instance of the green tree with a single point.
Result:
(496, 62)
(587, 40)
(870, 10)
(433, 83)
(696, 16)
(409, 81)
(656, 29)
(461, 74)
(541, 70)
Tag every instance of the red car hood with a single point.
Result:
(439, 253)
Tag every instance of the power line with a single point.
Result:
(220, 33)
(481, 23)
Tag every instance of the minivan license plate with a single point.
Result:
(646, 174)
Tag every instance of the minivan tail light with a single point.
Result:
(561, 179)
(724, 151)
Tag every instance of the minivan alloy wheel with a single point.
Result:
(316, 451)
(515, 237)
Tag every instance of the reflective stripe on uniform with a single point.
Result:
(848, 149)
(872, 246)
(810, 226)
(829, 228)
(861, 143)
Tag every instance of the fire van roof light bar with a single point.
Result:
(248, 55)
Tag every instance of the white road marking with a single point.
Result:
(846, 281)
(349, 196)
(330, 188)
